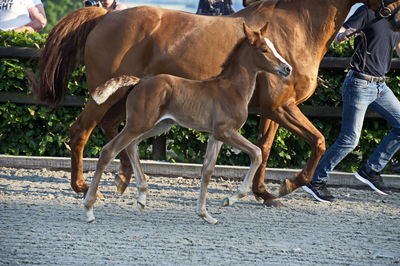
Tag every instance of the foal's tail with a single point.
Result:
(64, 50)
(102, 92)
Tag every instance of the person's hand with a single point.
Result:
(346, 35)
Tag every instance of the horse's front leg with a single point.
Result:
(234, 139)
(290, 117)
(267, 131)
(210, 159)
(109, 126)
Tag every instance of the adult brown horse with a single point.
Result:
(146, 41)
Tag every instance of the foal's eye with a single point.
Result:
(263, 50)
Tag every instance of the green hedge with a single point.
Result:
(39, 130)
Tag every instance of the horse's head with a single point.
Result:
(391, 12)
(266, 56)
(384, 8)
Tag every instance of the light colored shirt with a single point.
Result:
(14, 13)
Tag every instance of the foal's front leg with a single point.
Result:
(213, 148)
(234, 139)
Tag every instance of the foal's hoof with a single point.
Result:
(141, 205)
(208, 218)
(287, 187)
(121, 185)
(273, 203)
(89, 215)
(225, 202)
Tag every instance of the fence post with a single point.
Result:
(159, 148)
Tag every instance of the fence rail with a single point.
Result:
(310, 111)
(159, 144)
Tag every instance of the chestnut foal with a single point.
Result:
(217, 105)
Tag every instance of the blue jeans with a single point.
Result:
(357, 95)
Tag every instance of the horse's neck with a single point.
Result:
(241, 72)
(320, 19)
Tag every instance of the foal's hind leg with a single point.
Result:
(233, 138)
(213, 148)
(109, 125)
(108, 153)
(132, 151)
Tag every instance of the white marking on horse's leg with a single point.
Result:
(132, 151)
(90, 215)
(207, 217)
(91, 195)
(210, 159)
(133, 154)
(141, 200)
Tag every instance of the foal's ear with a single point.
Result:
(264, 29)
(250, 35)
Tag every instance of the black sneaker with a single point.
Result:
(372, 179)
(319, 191)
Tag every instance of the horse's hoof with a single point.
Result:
(208, 218)
(258, 198)
(286, 188)
(273, 203)
(90, 215)
(141, 205)
(121, 185)
(225, 202)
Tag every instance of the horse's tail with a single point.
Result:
(102, 92)
(64, 50)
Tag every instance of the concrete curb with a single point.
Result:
(183, 169)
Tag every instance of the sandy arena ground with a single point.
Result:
(42, 222)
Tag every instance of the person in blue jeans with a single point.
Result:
(364, 86)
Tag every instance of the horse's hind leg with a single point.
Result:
(290, 117)
(79, 133)
(213, 148)
(267, 131)
(109, 125)
(132, 151)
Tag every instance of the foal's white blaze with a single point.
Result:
(275, 52)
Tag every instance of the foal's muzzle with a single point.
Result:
(285, 70)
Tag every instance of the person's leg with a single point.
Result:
(357, 95)
(388, 106)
